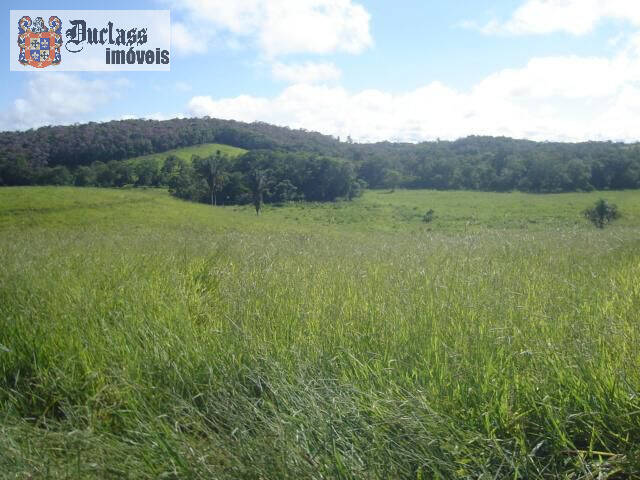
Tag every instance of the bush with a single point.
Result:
(602, 213)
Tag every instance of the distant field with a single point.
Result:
(186, 153)
(377, 210)
(459, 211)
(146, 337)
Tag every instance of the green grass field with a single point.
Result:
(186, 153)
(146, 337)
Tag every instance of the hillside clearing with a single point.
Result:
(186, 153)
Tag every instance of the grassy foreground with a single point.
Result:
(145, 337)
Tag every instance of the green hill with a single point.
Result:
(52, 156)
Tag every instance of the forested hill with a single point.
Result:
(473, 163)
(117, 140)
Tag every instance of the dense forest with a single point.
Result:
(285, 164)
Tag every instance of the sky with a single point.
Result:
(374, 70)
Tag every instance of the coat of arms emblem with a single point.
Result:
(39, 45)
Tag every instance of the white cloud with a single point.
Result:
(552, 98)
(46, 103)
(183, 87)
(149, 116)
(276, 27)
(186, 41)
(307, 72)
(576, 17)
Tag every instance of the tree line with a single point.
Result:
(268, 176)
(259, 176)
(317, 165)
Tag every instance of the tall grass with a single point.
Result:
(179, 344)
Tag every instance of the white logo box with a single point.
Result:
(92, 40)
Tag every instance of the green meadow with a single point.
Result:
(185, 153)
(146, 337)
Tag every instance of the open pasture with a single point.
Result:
(146, 337)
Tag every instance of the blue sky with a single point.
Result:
(376, 70)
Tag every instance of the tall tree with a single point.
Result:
(214, 169)
(258, 183)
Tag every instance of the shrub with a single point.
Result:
(602, 213)
(428, 217)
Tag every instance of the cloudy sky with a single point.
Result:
(409, 70)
